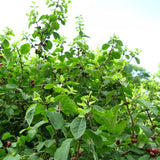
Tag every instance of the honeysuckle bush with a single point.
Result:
(64, 101)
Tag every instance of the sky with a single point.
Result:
(135, 22)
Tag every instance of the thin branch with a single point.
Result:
(21, 65)
(56, 136)
(149, 117)
(78, 149)
(127, 105)
(125, 153)
(110, 53)
(59, 107)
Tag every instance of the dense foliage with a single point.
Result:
(64, 101)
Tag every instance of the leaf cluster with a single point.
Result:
(65, 101)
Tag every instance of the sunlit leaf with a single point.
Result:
(67, 105)
(6, 136)
(78, 127)
(11, 86)
(49, 86)
(63, 151)
(30, 114)
(56, 120)
(25, 48)
(56, 35)
(148, 105)
(105, 46)
(5, 43)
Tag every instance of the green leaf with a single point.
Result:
(11, 86)
(80, 44)
(129, 157)
(97, 140)
(56, 26)
(8, 54)
(148, 105)
(17, 157)
(49, 142)
(47, 2)
(127, 91)
(6, 136)
(145, 157)
(48, 45)
(141, 141)
(50, 130)
(1, 144)
(63, 22)
(2, 152)
(37, 97)
(30, 23)
(60, 90)
(137, 60)
(119, 42)
(9, 112)
(107, 120)
(56, 120)
(56, 35)
(32, 132)
(116, 55)
(128, 68)
(98, 108)
(37, 125)
(110, 120)
(62, 58)
(40, 109)
(137, 151)
(101, 59)
(82, 34)
(40, 146)
(43, 17)
(92, 149)
(146, 130)
(35, 157)
(53, 17)
(120, 127)
(86, 47)
(49, 86)
(5, 43)
(25, 96)
(25, 48)
(68, 106)
(127, 56)
(109, 96)
(63, 151)
(71, 83)
(105, 46)
(124, 84)
(78, 127)
(30, 113)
